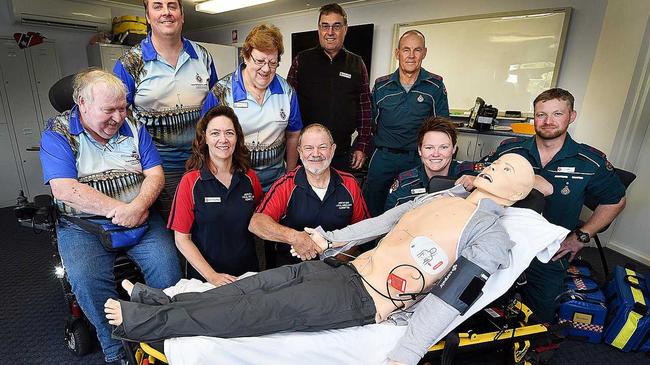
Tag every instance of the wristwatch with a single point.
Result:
(582, 236)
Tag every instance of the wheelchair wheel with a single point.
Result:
(78, 337)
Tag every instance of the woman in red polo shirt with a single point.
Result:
(215, 201)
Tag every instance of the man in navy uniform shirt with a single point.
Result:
(575, 170)
(312, 195)
(400, 104)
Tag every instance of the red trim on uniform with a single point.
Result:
(258, 193)
(276, 199)
(181, 217)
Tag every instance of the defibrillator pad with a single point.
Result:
(428, 255)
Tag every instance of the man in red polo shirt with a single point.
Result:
(312, 195)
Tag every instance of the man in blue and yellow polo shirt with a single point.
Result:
(575, 170)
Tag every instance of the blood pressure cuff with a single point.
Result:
(462, 285)
(112, 236)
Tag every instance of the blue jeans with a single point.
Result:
(89, 268)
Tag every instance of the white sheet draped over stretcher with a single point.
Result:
(369, 344)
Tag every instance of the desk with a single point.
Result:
(474, 145)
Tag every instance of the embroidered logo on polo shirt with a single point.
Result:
(344, 205)
(283, 115)
(212, 199)
(248, 197)
(199, 84)
(420, 98)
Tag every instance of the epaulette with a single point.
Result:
(434, 76)
(465, 166)
(595, 155)
(382, 79)
(408, 174)
(593, 150)
(511, 140)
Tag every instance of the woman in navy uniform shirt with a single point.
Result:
(436, 147)
(215, 201)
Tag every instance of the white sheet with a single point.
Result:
(369, 344)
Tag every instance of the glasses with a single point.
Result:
(310, 149)
(327, 27)
(260, 63)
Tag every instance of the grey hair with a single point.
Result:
(315, 126)
(84, 82)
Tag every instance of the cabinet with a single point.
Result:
(104, 56)
(26, 76)
(474, 146)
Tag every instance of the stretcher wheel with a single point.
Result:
(78, 337)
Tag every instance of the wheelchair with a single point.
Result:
(41, 216)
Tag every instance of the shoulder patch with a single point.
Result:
(609, 166)
(394, 186)
(479, 166)
(434, 76)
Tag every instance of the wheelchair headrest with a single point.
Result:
(626, 178)
(61, 94)
(438, 183)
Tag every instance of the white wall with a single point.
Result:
(611, 74)
(580, 49)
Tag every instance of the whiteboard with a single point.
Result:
(507, 58)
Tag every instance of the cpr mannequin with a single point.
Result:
(427, 239)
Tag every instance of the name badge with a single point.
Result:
(418, 191)
(566, 169)
(241, 104)
(346, 75)
(212, 199)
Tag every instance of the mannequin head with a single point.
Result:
(507, 180)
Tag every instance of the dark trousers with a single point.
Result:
(544, 283)
(384, 167)
(310, 296)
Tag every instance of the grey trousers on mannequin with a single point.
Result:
(310, 296)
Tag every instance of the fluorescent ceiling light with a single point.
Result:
(222, 6)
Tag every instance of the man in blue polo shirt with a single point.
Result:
(575, 170)
(400, 104)
(103, 166)
(167, 78)
(312, 195)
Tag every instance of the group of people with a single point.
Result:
(252, 153)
